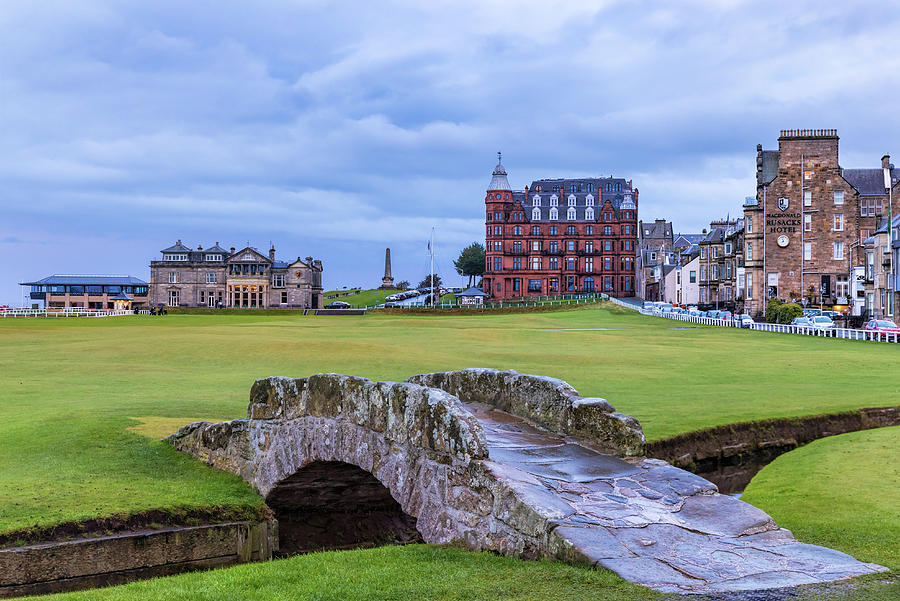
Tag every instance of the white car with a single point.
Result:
(821, 322)
(743, 321)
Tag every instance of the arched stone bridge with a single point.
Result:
(501, 461)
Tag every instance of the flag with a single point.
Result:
(429, 244)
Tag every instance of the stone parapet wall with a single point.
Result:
(548, 402)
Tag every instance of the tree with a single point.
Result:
(426, 283)
(402, 285)
(471, 262)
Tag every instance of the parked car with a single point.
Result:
(743, 320)
(811, 312)
(820, 322)
(801, 321)
(337, 305)
(881, 325)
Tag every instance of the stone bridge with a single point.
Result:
(500, 461)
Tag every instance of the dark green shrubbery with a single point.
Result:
(772, 310)
(788, 311)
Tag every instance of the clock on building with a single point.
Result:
(783, 241)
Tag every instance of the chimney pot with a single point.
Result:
(886, 161)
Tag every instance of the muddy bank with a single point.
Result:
(731, 455)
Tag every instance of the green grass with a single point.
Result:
(363, 298)
(842, 492)
(71, 387)
(415, 572)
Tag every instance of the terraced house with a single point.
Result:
(217, 278)
(560, 236)
(807, 227)
(721, 265)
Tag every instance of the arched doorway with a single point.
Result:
(335, 505)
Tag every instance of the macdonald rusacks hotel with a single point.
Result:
(560, 236)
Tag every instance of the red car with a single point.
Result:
(881, 325)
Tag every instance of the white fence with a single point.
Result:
(69, 313)
(846, 333)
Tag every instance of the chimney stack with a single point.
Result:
(272, 253)
(232, 250)
(886, 161)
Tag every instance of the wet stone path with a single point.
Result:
(650, 522)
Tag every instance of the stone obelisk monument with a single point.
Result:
(388, 280)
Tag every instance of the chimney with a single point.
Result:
(272, 253)
(199, 247)
(232, 250)
(886, 161)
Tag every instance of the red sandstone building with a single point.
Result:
(560, 236)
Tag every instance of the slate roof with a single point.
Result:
(499, 180)
(658, 230)
(584, 192)
(868, 182)
(769, 167)
(178, 247)
(687, 239)
(472, 292)
(215, 249)
(122, 296)
(87, 280)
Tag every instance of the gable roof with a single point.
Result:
(868, 182)
(178, 247)
(239, 255)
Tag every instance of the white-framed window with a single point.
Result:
(570, 214)
(210, 277)
(278, 280)
(715, 272)
(807, 174)
(838, 251)
(807, 251)
(839, 222)
(807, 198)
(749, 286)
(536, 263)
(842, 286)
(702, 252)
(173, 277)
(572, 200)
(838, 197)
(728, 248)
(554, 200)
(716, 252)
(807, 223)
(589, 200)
(536, 200)
(554, 214)
(175, 257)
(703, 273)
(498, 245)
(213, 257)
(749, 251)
(589, 213)
(173, 298)
(750, 224)
(536, 245)
(535, 214)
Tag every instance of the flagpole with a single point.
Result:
(431, 246)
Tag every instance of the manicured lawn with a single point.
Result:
(363, 298)
(70, 389)
(415, 573)
(841, 492)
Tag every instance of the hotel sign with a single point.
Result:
(783, 223)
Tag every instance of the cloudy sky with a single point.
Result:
(337, 129)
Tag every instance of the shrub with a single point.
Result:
(788, 311)
(772, 310)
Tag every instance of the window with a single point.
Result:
(536, 263)
(716, 252)
(589, 264)
(588, 284)
(749, 287)
(570, 245)
(607, 245)
(703, 295)
(589, 213)
(839, 222)
(498, 216)
(554, 285)
(498, 230)
(498, 263)
(535, 245)
(589, 200)
(534, 285)
(570, 263)
(91, 290)
(807, 223)
(554, 201)
(178, 257)
(203, 297)
(552, 230)
(589, 230)
(213, 257)
(807, 174)
(554, 214)
(728, 248)
(750, 225)
(570, 230)
(535, 214)
(692, 277)
(536, 200)
(517, 284)
(749, 251)
(807, 198)
(607, 263)
(589, 246)
(703, 273)
(284, 297)
(572, 200)
(838, 251)
(517, 230)
(607, 283)
(173, 277)
(211, 277)
(702, 252)
(842, 286)
(517, 247)
(173, 298)
(715, 272)
(517, 263)
(627, 245)
(570, 214)
(869, 207)
(838, 197)
(278, 280)
(535, 230)
(554, 263)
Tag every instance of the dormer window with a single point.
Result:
(536, 200)
(554, 214)
(589, 213)
(589, 200)
(572, 200)
(175, 257)
(213, 257)
(535, 214)
(570, 214)
(554, 200)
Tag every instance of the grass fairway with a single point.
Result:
(72, 388)
(841, 492)
(414, 573)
